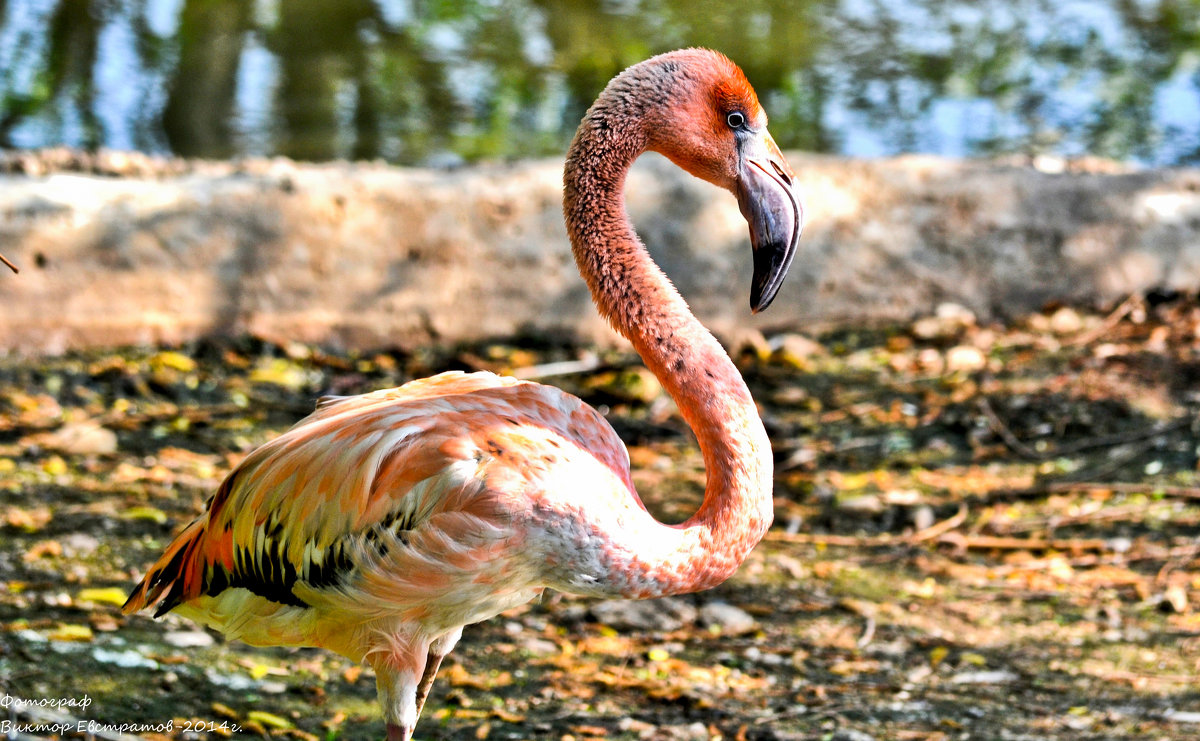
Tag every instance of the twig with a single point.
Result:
(1127, 676)
(871, 541)
(10, 264)
(1011, 440)
(1109, 322)
(1002, 543)
(1176, 561)
(868, 632)
(941, 532)
(865, 610)
(1005, 433)
(937, 529)
(1135, 512)
(1068, 487)
(1125, 437)
(1174, 554)
(848, 541)
(563, 368)
(798, 710)
(1121, 487)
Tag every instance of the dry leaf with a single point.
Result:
(29, 520)
(105, 595)
(69, 632)
(267, 719)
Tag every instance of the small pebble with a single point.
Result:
(75, 545)
(665, 614)
(865, 504)
(1182, 716)
(965, 359)
(235, 682)
(83, 438)
(127, 659)
(923, 517)
(851, 734)
(538, 646)
(1065, 321)
(1120, 544)
(999, 676)
(188, 639)
(728, 619)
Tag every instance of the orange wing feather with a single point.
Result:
(301, 513)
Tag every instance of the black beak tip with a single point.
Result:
(757, 302)
(771, 263)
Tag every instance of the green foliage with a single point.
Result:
(493, 79)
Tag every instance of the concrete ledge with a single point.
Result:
(367, 255)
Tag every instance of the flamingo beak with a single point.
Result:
(771, 208)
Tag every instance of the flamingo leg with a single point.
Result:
(438, 650)
(431, 669)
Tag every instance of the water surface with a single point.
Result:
(439, 82)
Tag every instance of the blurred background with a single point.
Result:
(438, 83)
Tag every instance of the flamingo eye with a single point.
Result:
(736, 120)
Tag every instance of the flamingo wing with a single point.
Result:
(399, 503)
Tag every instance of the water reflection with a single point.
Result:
(430, 81)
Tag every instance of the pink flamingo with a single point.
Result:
(381, 524)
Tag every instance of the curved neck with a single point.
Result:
(639, 301)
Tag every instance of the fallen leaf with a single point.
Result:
(29, 520)
(270, 720)
(937, 654)
(255, 727)
(851, 668)
(280, 372)
(104, 623)
(145, 512)
(457, 676)
(336, 720)
(41, 549)
(106, 595)
(590, 730)
(506, 716)
(1176, 596)
(69, 632)
(969, 657)
(173, 360)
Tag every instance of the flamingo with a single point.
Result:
(380, 525)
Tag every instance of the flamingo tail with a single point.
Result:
(174, 578)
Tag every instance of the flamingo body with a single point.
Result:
(417, 510)
(380, 525)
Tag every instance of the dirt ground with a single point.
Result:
(982, 532)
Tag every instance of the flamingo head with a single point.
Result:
(710, 123)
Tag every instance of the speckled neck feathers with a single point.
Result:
(633, 294)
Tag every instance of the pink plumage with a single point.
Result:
(382, 524)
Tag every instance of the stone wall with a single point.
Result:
(367, 255)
